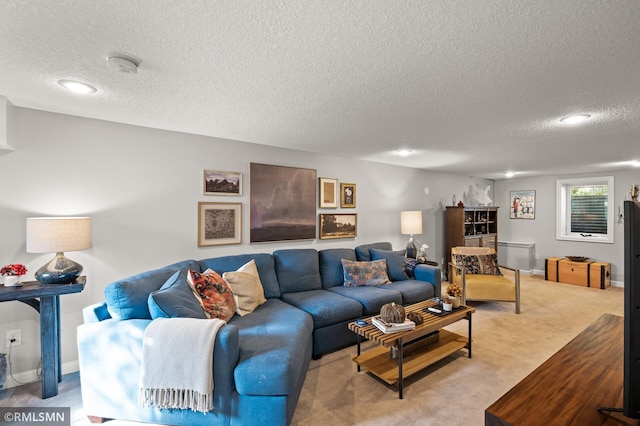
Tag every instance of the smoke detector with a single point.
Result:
(122, 64)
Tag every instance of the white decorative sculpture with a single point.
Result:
(479, 196)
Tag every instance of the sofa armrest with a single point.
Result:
(95, 313)
(430, 274)
(110, 356)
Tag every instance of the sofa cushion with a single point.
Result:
(331, 270)
(246, 288)
(413, 291)
(213, 293)
(275, 348)
(264, 263)
(297, 270)
(362, 251)
(127, 298)
(175, 299)
(395, 263)
(365, 273)
(326, 307)
(486, 264)
(371, 298)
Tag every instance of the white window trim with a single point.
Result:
(563, 215)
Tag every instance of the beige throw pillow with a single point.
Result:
(246, 288)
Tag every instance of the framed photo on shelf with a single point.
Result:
(328, 193)
(340, 225)
(348, 195)
(523, 205)
(219, 224)
(215, 182)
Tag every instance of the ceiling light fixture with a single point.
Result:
(509, 174)
(122, 64)
(77, 86)
(575, 119)
(404, 152)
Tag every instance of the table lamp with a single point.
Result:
(410, 224)
(57, 235)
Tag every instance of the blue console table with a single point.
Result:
(49, 308)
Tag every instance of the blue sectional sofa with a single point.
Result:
(260, 359)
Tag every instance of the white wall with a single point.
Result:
(141, 187)
(542, 229)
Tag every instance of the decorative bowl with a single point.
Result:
(577, 258)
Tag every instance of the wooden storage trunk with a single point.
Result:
(587, 274)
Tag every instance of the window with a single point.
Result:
(585, 209)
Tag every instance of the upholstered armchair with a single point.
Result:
(477, 271)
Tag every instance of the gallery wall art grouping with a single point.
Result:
(282, 206)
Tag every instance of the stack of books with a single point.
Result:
(390, 327)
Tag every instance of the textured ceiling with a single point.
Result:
(473, 87)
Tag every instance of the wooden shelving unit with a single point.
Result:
(471, 227)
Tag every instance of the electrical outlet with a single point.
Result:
(13, 338)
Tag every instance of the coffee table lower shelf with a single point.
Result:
(380, 364)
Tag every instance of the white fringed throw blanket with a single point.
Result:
(177, 363)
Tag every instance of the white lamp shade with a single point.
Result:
(411, 222)
(58, 234)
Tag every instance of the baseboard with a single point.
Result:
(617, 284)
(30, 376)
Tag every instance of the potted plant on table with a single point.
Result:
(422, 257)
(447, 304)
(12, 273)
(455, 294)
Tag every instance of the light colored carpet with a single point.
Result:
(455, 391)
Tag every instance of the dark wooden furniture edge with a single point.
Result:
(569, 387)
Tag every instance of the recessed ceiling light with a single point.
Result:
(509, 174)
(575, 119)
(77, 86)
(404, 152)
(635, 163)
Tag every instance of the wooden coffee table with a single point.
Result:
(399, 355)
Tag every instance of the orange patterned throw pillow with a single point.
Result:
(213, 293)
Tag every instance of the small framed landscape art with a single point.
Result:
(215, 182)
(328, 193)
(348, 195)
(219, 224)
(523, 205)
(339, 225)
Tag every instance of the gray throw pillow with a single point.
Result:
(175, 299)
(395, 262)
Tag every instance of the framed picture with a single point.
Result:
(328, 193)
(348, 195)
(215, 182)
(523, 205)
(219, 224)
(282, 203)
(341, 225)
